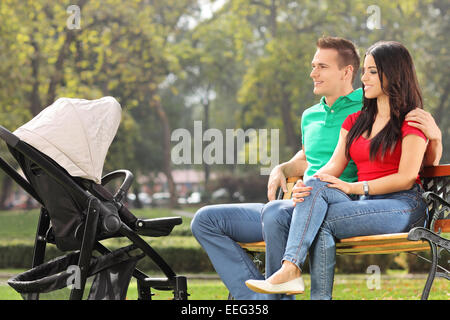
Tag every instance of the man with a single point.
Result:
(219, 227)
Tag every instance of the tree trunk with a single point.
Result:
(59, 65)
(35, 100)
(7, 184)
(57, 76)
(291, 138)
(206, 167)
(166, 150)
(439, 112)
(273, 19)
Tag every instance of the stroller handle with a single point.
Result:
(126, 184)
(8, 137)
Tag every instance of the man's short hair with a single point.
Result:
(347, 52)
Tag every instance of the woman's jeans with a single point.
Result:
(328, 214)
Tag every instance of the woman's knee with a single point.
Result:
(315, 182)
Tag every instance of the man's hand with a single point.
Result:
(277, 178)
(299, 191)
(424, 121)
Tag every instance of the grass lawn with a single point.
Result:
(198, 290)
(20, 226)
(347, 287)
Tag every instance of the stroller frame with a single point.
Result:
(93, 195)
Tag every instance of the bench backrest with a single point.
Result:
(436, 180)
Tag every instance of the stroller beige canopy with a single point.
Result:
(76, 133)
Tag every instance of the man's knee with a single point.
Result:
(201, 220)
(276, 214)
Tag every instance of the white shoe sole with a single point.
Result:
(295, 286)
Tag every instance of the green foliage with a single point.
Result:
(245, 66)
(277, 81)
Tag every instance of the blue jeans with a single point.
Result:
(217, 228)
(328, 214)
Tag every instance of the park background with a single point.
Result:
(230, 64)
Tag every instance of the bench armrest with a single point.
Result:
(439, 221)
(436, 182)
(420, 233)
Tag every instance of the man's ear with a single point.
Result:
(348, 72)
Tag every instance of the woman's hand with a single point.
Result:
(299, 191)
(335, 182)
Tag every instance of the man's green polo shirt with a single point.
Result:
(320, 129)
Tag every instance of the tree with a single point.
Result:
(122, 49)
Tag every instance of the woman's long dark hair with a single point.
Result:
(395, 63)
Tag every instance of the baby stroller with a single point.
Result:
(61, 153)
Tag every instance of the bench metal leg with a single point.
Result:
(432, 273)
(435, 241)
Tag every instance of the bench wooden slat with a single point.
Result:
(384, 251)
(441, 170)
(374, 247)
(443, 225)
(379, 238)
(254, 246)
(290, 182)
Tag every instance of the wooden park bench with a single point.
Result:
(436, 183)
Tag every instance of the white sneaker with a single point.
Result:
(295, 286)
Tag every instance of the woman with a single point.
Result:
(388, 153)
